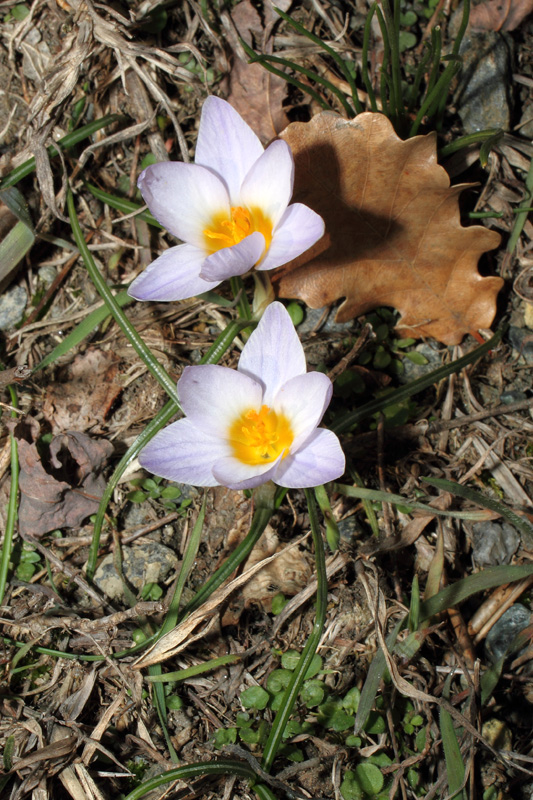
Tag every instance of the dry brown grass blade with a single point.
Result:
(179, 638)
(394, 236)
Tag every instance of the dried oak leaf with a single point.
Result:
(499, 15)
(61, 489)
(393, 231)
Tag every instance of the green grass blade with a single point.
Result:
(291, 692)
(122, 204)
(14, 247)
(520, 220)
(83, 330)
(455, 768)
(364, 59)
(197, 669)
(310, 74)
(260, 520)
(377, 496)
(67, 141)
(152, 364)
(347, 421)
(329, 50)
(11, 506)
(373, 679)
(522, 524)
(288, 78)
(223, 766)
(187, 564)
(453, 595)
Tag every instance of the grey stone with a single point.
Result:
(313, 316)
(502, 634)
(433, 353)
(149, 562)
(494, 543)
(482, 95)
(521, 340)
(12, 306)
(512, 396)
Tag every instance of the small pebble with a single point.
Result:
(494, 543)
(503, 633)
(521, 340)
(12, 307)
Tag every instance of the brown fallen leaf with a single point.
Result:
(61, 490)
(252, 91)
(393, 230)
(499, 15)
(84, 397)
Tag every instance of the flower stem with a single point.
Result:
(298, 676)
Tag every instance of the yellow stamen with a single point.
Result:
(260, 437)
(224, 232)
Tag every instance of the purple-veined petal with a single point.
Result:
(235, 474)
(184, 454)
(184, 198)
(303, 400)
(273, 354)
(175, 275)
(268, 184)
(226, 144)
(299, 228)
(213, 397)
(319, 460)
(235, 260)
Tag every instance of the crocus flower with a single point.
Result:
(258, 423)
(231, 208)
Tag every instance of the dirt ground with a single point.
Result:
(78, 719)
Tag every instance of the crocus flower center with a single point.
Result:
(225, 232)
(259, 437)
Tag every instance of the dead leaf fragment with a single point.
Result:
(393, 230)
(499, 15)
(65, 490)
(252, 91)
(84, 398)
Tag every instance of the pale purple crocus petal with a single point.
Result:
(213, 397)
(268, 184)
(303, 400)
(226, 144)
(235, 260)
(175, 275)
(184, 198)
(273, 354)
(298, 230)
(319, 460)
(184, 454)
(235, 474)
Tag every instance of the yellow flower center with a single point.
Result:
(224, 232)
(260, 437)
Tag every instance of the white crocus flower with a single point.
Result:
(231, 208)
(258, 423)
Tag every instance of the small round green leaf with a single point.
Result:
(369, 778)
(255, 697)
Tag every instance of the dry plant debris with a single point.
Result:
(499, 15)
(393, 231)
(65, 491)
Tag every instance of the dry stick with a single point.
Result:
(153, 526)
(447, 425)
(344, 363)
